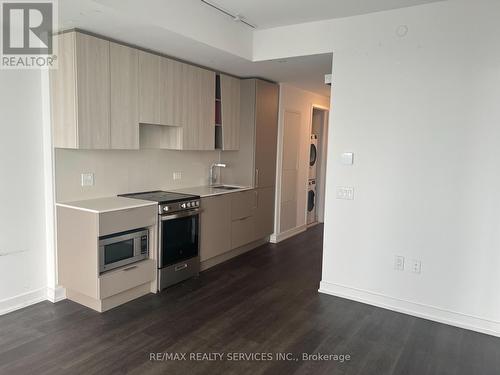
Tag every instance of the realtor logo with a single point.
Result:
(27, 29)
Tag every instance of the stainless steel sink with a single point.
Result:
(225, 187)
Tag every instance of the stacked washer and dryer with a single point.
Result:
(311, 194)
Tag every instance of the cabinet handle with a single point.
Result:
(256, 177)
(130, 268)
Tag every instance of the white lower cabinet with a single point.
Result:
(215, 230)
(120, 280)
(230, 221)
(243, 206)
(242, 231)
(78, 233)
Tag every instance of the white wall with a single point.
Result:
(128, 171)
(22, 194)
(291, 186)
(421, 113)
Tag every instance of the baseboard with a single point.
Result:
(453, 318)
(275, 238)
(22, 300)
(57, 294)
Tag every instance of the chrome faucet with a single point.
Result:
(213, 176)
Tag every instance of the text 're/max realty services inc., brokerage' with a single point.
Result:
(242, 356)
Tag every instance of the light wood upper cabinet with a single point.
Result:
(179, 97)
(102, 91)
(63, 95)
(93, 91)
(80, 93)
(230, 99)
(94, 94)
(172, 78)
(124, 83)
(266, 133)
(199, 129)
(149, 88)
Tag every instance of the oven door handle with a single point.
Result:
(180, 214)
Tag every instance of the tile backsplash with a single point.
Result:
(124, 171)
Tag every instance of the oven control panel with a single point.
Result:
(192, 204)
(169, 208)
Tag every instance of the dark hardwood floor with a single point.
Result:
(264, 301)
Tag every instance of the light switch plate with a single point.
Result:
(87, 179)
(345, 192)
(399, 263)
(177, 175)
(347, 158)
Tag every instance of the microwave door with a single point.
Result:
(116, 254)
(122, 249)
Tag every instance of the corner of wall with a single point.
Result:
(56, 294)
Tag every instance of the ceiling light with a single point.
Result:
(235, 16)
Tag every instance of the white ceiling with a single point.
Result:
(192, 31)
(272, 13)
(305, 72)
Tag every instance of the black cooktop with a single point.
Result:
(161, 196)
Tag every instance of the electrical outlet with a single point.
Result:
(345, 192)
(87, 179)
(177, 175)
(416, 266)
(399, 263)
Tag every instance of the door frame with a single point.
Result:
(321, 161)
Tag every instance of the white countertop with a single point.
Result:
(100, 205)
(207, 191)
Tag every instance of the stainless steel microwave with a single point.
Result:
(121, 249)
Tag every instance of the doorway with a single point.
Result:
(317, 166)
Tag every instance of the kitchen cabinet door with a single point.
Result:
(264, 212)
(266, 133)
(93, 95)
(199, 129)
(215, 223)
(80, 93)
(230, 103)
(124, 71)
(243, 205)
(63, 94)
(172, 87)
(149, 88)
(242, 231)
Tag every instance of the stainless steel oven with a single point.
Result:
(179, 245)
(178, 235)
(120, 249)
